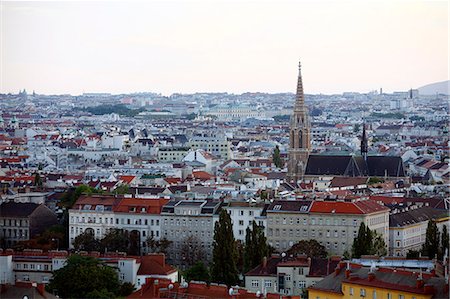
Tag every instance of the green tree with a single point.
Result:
(86, 242)
(115, 240)
(83, 275)
(444, 242)
(356, 128)
(359, 246)
(431, 246)
(255, 248)
(379, 246)
(225, 255)
(311, 248)
(160, 246)
(37, 180)
(122, 189)
(126, 289)
(276, 158)
(198, 272)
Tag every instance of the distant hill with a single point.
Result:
(433, 88)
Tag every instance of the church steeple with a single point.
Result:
(364, 144)
(299, 135)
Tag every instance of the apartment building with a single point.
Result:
(243, 214)
(172, 153)
(334, 224)
(34, 265)
(99, 213)
(219, 146)
(184, 218)
(23, 221)
(288, 275)
(408, 227)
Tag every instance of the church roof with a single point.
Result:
(355, 166)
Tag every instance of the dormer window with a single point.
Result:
(277, 207)
(132, 209)
(143, 210)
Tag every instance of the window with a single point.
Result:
(241, 222)
(389, 296)
(255, 283)
(351, 291)
(268, 283)
(300, 271)
(362, 292)
(401, 296)
(287, 277)
(277, 207)
(241, 213)
(302, 284)
(374, 294)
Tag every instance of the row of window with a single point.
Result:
(241, 213)
(312, 221)
(304, 233)
(14, 233)
(187, 222)
(363, 293)
(184, 234)
(37, 267)
(287, 244)
(101, 220)
(13, 222)
(268, 283)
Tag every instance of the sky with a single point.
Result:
(222, 46)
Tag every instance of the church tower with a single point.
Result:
(299, 135)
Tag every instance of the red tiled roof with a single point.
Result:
(339, 207)
(127, 179)
(152, 206)
(155, 264)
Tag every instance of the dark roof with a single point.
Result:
(414, 216)
(17, 209)
(321, 267)
(296, 206)
(269, 270)
(354, 166)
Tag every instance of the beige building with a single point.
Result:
(334, 224)
(288, 275)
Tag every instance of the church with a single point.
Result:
(301, 164)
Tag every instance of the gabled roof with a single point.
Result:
(155, 264)
(17, 209)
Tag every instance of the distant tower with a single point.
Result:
(299, 136)
(364, 144)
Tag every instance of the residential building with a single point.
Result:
(23, 221)
(217, 145)
(172, 153)
(408, 227)
(243, 214)
(184, 218)
(288, 275)
(355, 281)
(334, 224)
(100, 213)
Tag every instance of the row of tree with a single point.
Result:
(436, 244)
(368, 242)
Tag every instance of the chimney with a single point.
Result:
(371, 276)
(264, 262)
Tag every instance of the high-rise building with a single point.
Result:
(299, 136)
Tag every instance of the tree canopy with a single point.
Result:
(224, 266)
(198, 272)
(368, 243)
(85, 277)
(276, 158)
(311, 248)
(255, 248)
(431, 246)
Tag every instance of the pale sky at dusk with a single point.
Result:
(222, 46)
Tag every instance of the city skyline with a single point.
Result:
(188, 47)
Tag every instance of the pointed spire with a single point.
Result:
(364, 145)
(300, 98)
